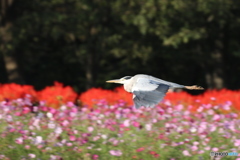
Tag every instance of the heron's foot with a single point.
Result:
(194, 87)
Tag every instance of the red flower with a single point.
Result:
(156, 155)
(57, 95)
(14, 91)
(152, 152)
(140, 149)
(94, 95)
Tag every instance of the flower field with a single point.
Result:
(58, 124)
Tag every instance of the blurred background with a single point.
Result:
(83, 43)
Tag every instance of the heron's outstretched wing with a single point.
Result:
(148, 92)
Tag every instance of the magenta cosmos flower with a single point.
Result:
(115, 152)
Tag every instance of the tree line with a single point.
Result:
(83, 43)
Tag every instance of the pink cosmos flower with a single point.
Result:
(194, 148)
(213, 128)
(70, 104)
(74, 110)
(26, 110)
(115, 142)
(72, 138)
(148, 127)
(126, 123)
(65, 123)
(52, 110)
(237, 142)
(19, 140)
(75, 131)
(31, 155)
(90, 129)
(115, 152)
(226, 107)
(232, 127)
(38, 140)
(35, 108)
(186, 153)
(210, 112)
(49, 115)
(213, 98)
(208, 106)
(95, 156)
(96, 138)
(140, 149)
(12, 130)
(58, 130)
(200, 109)
(43, 108)
(193, 129)
(156, 155)
(186, 112)
(40, 146)
(200, 152)
(2, 156)
(216, 117)
(195, 143)
(104, 136)
(207, 148)
(54, 157)
(179, 107)
(69, 144)
(135, 124)
(18, 114)
(51, 125)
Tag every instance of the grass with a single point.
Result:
(116, 133)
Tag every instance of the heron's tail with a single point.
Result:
(194, 87)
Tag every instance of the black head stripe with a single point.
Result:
(127, 77)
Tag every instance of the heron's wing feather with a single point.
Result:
(148, 92)
(170, 84)
(160, 81)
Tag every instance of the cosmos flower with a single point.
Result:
(19, 140)
(90, 129)
(187, 128)
(186, 153)
(237, 143)
(140, 149)
(115, 152)
(30, 155)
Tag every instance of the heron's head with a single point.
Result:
(121, 80)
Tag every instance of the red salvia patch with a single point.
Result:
(57, 95)
(14, 91)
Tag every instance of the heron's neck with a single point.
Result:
(128, 85)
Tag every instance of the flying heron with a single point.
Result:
(148, 90)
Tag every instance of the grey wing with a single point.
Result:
(170, 84)
(148, 93)
(160, 81)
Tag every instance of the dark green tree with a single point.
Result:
(83, 43)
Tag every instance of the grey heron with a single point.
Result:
(148, 90)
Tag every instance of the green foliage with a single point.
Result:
(83, 43)
(128, 142)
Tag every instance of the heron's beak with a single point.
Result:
(114, 81)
